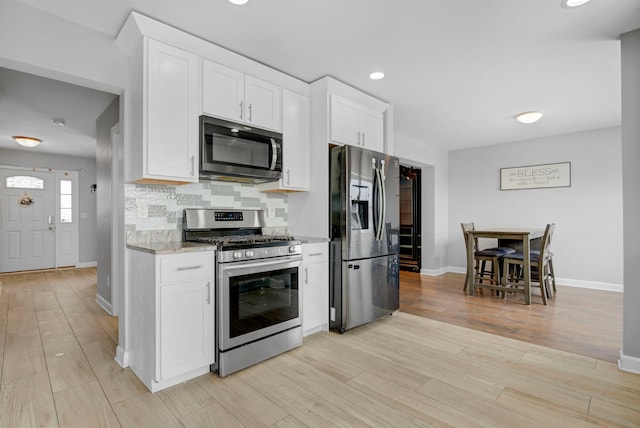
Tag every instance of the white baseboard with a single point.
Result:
(87, 264)
(628, 363)
(104, 304)
(122, 357)
(606, 286)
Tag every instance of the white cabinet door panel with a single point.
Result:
(263, 103)
(223, 91)
(344, 121)
(372, 130)
(171, 112)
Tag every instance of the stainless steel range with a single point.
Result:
(257, 286)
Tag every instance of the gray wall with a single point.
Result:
(107, 120)
(87, 254)
(630, 354)
(587, 243)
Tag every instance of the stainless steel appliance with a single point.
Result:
(259, 302)
(234, 152)
(364, 210)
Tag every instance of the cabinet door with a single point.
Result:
(296, 141)
(263, 103)
(222, 91)
(372, 130)
(171, 108)
(344, 121)
(186, 327)
(315, 292)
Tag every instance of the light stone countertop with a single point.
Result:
(310, 239)
(171, 247)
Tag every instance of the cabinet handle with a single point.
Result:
(358, 137)
(189, 267)
(362, 138)
(314, 254)
(241, 108)
(208, 292)
(193, 161)
(250, 112)
(306, 275)
(288, 178)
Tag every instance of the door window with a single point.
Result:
(66, 197)
(24, 182)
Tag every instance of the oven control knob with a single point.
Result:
(292, 249)
(249, 253)
(237, 255)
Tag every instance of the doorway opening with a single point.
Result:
(410, 225)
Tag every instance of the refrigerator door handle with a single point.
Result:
(379, 205)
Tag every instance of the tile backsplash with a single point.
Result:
(153, 213)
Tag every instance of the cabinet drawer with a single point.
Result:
(186, 266)
(315, 253)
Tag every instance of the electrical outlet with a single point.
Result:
(143, 210)
(272, 212)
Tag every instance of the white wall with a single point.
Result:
(630, 353)
(587, 243)
(87, 253)
(434, 165)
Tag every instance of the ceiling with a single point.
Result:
(457, 71)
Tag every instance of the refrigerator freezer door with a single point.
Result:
(370, 290)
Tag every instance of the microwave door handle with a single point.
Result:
(274, 154)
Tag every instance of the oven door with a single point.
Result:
(258, 299)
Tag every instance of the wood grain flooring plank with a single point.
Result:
(146, 410)
(212, 416)
(289, 422)
(66, 363)
(53, 323)
(84, 406)
(27, 401)
(23, 355)
(185, 398)
(615, 413)
(234, 394)
(305, 406)
(419, 406)
(118, 383)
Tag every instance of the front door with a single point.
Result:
(27, 228)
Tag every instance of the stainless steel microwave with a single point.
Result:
(235, 152)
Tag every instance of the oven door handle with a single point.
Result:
(261, 264)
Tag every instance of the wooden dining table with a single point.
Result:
(520, 237)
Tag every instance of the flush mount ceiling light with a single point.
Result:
(529, 117)
(27, 141)
(377, 75)
(568, 4)
(238, 2)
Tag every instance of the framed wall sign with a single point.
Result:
(536, 176)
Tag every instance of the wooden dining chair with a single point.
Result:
(482, 256)
(541, 267)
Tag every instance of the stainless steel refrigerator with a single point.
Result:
(364, 193)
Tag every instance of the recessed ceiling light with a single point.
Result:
(568, 4)
(529, 117)
(377, 75)
(58, 122)
(238, 2)
(27, 141)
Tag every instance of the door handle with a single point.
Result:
(208, 292)
(274, 153)
(50, 219)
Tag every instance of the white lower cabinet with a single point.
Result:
(172, 316)
(315, 287)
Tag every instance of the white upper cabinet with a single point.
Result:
(355, 125)
(232, 95)
(295, 145)
(169, 107)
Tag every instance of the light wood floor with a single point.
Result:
(58, 370)
(586, 322)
